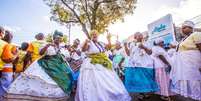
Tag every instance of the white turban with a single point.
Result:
(188, 23)
(158, 40)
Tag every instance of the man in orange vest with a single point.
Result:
(2, 43)
(34, 47)
(8, 56)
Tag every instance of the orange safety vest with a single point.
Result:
(20, 63)
(7, 70)
(9, 52)
(34, 48)
(2, 44)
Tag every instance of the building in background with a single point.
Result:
(197, 21)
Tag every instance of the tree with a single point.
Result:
(90, 14)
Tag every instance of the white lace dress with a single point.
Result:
(35, 85)
(97, 83)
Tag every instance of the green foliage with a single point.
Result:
(65, 39)
(49, 38)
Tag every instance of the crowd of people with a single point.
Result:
(96, 71)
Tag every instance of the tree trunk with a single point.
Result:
(84, 29)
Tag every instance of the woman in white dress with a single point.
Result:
(120, 59)
(47, 79)
(97, 80)
(186, 71)
(139, 75)
(162, 68)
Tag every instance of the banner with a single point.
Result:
(162, 28)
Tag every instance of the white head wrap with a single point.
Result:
(158, 40)
(188, 23)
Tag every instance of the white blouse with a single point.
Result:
(51, 50)
(121, 52)
(138, 57)
(156, 51)
(95, 48)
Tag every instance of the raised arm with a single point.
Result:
(85, 46)
(109, 45)
(43, 50)
(126, 49)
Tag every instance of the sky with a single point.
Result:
(25, 18)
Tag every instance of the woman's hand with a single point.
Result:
(86, 45)
(109, 45)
